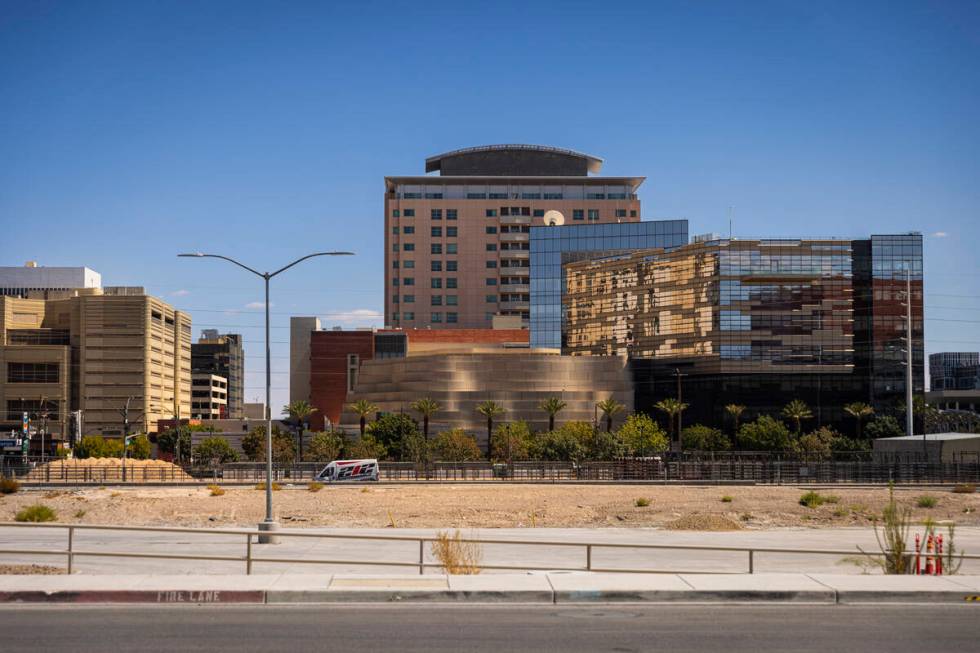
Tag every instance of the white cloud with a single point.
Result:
(180, 293)
(257, 305)
(940, 234)
(364, 316)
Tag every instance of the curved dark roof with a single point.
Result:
(514, 159)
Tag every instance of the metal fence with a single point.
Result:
(421, 562)
(679, 470)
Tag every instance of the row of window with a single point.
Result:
(434, 248)
(452, 214)
(436, 232)
(32, 372)
(435, 214)
(409, 316)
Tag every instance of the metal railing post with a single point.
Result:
(588, 557)
(751, 561)
(421, 557)
(71, 537)
(248, 554)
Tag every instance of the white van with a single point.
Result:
(365, 469)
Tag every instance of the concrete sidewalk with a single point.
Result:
(542, 588)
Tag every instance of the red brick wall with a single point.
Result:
(475, 336)
(328, 370)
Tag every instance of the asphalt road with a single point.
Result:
(483, 628)
(540, 557)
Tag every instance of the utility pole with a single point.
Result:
(680, 411)
(43, 414)
(124, 412)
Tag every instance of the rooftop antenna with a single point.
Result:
(731, 217)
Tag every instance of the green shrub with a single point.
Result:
(812, 500)
(315, 486)
(965, 488)
(8, 485)
(727, 498)
(642, 436)
(36, 513)
(816, 445)
(365, 447)
(561, 444)
(139, 448)
(927, 501)
(512, 441)
(884, 426)
(456, 445)
(397, 431)
(764, 434)
(642, 502)
(214, 450)
(94, 446)
(704, 438)
(283, 446)
(324, 446)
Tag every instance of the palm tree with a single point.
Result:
(426, 408)
(298, 411)
(673, 408)
(610, 407)
(859, 410)
(490, 409)
(735, 411)
(552, 406)
(362, 408)
(797, 411)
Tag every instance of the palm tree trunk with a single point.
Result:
(551, 422)
(608, 423)
(363, 424)
(301, 429)
(489, 435)
(425, 426)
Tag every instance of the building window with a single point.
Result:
(409, 213)
(593, 214)
(632, 213)
(437, 232)
(408, 264)
(437, 214)
(394, 231)
(491, 299)
(620, 213)
(491, 230)
(353, 365)
(408, 230)
(408, 281)
(394, 264)
(408, 247)
(491, 213)
(436, 317)
(394, 299)
(491, 264)
(408, 299)
(538, 213)
(450, 214)
(497, 196)
(553, 196)
(436, 282)
(32, 372)
(491, 247)
(476, 196)
(595, 196)
(450, 282)
(408, 315)
(491, 281)
(452, 317)
(451, 248)
(436, 248)
(437, 300)
(451, 232)
(452, 266)
(504, 210)
(452, 300)
(490, 317)
(395, 213)
(436, 266)
(578, 214)
(394, 281)
(433, 196)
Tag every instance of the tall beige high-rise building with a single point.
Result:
(457, 245)
(90, 351)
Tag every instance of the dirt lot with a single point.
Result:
(489, 506)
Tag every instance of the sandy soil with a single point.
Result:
(31, 570)
(490, 506)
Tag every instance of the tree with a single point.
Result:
(456, 446)
(139, 447)
(513, 441)
(797, 411)
(283, 447)
(859, 410)
(394, 430)
(610, 408)
(214, 450)
(642, 436)
(764, 434)
(94, 446)
(426, 408)
(672, 408)
(324, 446)
(704, 438)
(735, 412)
(816, 445)
(570, 442)
(363, 408)
(365, 447)
(552, 406)
(884, 426)
(490, 410)
(299, 411)
(177, 442)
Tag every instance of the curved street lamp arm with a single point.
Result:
(230, 260)
(300, 260)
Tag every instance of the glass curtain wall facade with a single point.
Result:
(954, 370)
(554, 247)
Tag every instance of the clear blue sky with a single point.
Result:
(131, 131)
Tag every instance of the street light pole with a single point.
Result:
(269, 524)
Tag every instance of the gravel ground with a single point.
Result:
(31, 570)
(492, 506)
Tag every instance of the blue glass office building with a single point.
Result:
(552, 247)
